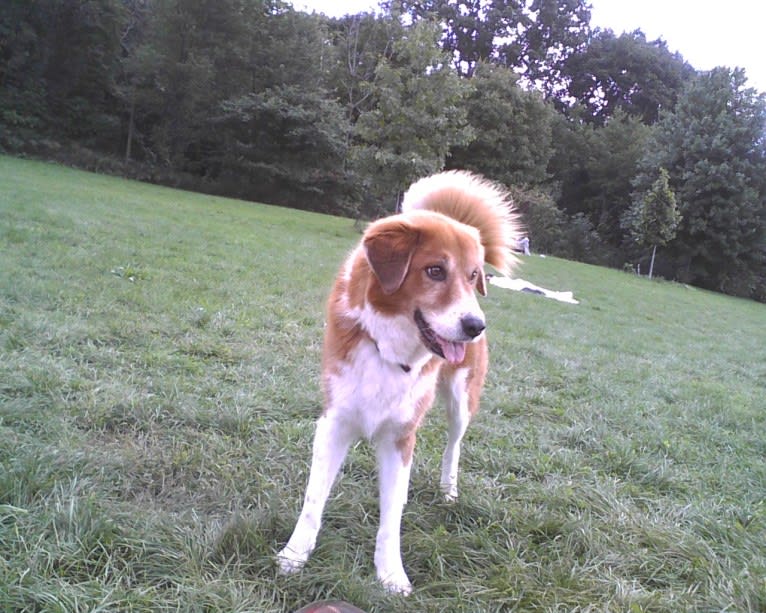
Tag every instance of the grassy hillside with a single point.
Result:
(159, 355)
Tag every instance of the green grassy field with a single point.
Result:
(159, 359)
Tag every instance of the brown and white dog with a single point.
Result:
(403, 320)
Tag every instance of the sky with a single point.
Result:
(708, 33)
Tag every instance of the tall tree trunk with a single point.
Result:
(131, 120)
(651, 264)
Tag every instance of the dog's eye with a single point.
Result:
(437, 273)
(474, 274)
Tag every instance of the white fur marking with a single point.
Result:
(455, 397)
(397, 337)
(372, 398)
(375, 394)
(448, 323)
(331, 443)
(394, 478)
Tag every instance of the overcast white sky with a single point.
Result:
(707, 33)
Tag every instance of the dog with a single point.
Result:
(403, 322)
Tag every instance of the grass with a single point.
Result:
(159, 355)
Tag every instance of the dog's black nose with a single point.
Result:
(472, 325)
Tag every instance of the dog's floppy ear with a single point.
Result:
(389, 246)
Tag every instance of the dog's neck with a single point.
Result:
(402, 348)
(404, 367)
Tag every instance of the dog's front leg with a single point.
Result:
(331, 444)
(458, 418)
(394, 463)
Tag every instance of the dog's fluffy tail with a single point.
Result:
(473, 200)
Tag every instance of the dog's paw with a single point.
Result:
(449, 491)
(290, 562)
(396, 582)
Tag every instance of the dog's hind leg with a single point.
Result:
(331, 444)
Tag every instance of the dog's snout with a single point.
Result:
(472, 325)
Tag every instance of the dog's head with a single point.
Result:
(429, 267)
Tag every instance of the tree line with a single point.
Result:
(612, 144)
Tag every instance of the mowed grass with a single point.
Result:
(159, 362)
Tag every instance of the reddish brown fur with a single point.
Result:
(433, 239)
(476, 202)
(477, 358)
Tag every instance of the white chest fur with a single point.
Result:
(375, 396)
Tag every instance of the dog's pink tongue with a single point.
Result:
(454, 352)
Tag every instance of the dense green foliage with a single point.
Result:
(713, 147)
(254, 99)
(628, 73)
(159, 382)
(653, 218)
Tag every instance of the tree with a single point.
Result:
(471, 29)
(512, 128)
(418, 117)
(532, 37)
(625, 72)
(280, 134)
(58, 60)
(172, 78)
(23, 106)
(556, 30)
(714, 150)
(228, 111)
(654, 217)
(285, 144)
(610, 159)
(361, 42)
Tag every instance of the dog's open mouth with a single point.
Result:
(453, 352)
